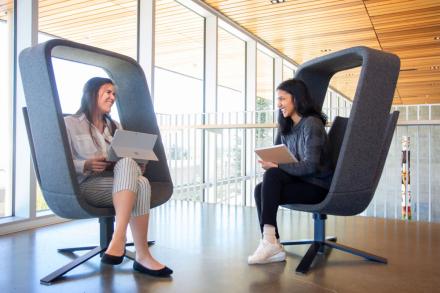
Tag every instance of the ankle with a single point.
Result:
(117, 238)
(269, 234)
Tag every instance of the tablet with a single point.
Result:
(130, 144)
(279, 154)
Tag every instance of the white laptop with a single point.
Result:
(279, 154)
(129, 144)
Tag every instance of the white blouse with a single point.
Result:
(82, 144)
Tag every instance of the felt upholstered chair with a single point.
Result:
(48, 139)
(360, 143)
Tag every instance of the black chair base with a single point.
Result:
(319, 243)
(94, 250)
(106, 232)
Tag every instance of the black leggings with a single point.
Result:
(278, 188)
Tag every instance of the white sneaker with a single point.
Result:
(267, 253)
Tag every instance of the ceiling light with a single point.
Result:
(435, 67)
(437, 38)
(277, 1)
(326, 50)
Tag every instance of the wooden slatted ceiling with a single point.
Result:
(111, 25)
(408, 29)
(304, 29)
(5, 8)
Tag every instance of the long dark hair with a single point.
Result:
(89, 102)
(303, 104)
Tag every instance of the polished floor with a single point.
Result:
(207, 246)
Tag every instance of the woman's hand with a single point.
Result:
(97, 164)
(267, 165)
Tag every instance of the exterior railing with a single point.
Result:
(211, 158)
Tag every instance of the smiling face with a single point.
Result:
(285, 103)
(106, 98)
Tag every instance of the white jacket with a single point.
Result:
(82, 144)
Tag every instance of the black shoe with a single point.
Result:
(164, 272)
(112, 259)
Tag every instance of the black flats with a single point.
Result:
(164, 272)
(115, 260)
(112, 259)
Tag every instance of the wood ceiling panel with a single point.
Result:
(6, 7)
(408, 29)
(305, 29)
(6, 3)
(111, 25)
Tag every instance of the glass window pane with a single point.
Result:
(178, 94)
(6, 57)
(264, 104)
(230, 105)
(231, 72)
(287, 72)
(179, 59)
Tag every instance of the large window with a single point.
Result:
(288, 72)
(178, 93)
(229, 149)
(231, 72)
(264, 114)
(264, 104)
(178, 74)
(6, 58)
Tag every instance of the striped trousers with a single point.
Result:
(98, 189)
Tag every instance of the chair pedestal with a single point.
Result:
(105, 235)
(319, 243)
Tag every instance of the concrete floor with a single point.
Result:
(207, 247)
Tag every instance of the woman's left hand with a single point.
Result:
(267, 165)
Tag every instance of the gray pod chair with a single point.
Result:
(360, 143)
(48, 139)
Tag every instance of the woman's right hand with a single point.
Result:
(97, 164)
(267, 165)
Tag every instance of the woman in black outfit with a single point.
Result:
(302, 130)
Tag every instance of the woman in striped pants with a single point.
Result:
(90, 132)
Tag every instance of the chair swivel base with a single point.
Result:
(94, 250)
(318, 247)
(319, 242)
